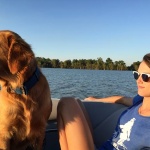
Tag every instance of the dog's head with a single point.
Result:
(15, 53)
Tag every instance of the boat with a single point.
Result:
(108, 116)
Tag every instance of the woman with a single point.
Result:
(132, 130)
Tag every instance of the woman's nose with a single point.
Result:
(139, 80)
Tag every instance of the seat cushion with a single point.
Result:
(104, 118)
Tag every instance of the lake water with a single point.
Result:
(83, 83)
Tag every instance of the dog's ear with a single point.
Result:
(19, 54)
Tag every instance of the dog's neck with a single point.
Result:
(26, 86)
(31, 81)
(24, 74)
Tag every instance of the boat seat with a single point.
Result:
(103, 117)
(53, 115)
(51, 141)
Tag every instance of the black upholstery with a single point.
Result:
(103, 117)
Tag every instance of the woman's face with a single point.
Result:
(143, 87)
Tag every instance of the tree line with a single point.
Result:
(92, 64)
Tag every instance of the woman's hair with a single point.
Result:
(146, 59)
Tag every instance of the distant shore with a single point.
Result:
(91, 64)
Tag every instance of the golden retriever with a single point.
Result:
(25, 101)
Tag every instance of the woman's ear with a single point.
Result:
(19, 54)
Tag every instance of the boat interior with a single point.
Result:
(103, 128)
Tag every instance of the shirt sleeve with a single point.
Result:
(137, 98)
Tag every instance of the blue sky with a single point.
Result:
(81, 29)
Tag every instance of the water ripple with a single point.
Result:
(83, 83)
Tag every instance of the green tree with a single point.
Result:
(55, 63)
(61, 64)
(89, 64)
(109, 64)
(100, 64)
(120, 65)
(82, 63)
(75, 64)
(67, 64)
(135, 65)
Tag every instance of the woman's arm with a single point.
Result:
(128, 101)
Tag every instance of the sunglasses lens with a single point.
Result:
(145, 77)
(136, 75)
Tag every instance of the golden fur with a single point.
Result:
(23, 117)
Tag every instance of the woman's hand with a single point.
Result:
(90, 98)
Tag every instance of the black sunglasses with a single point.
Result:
(145, 76)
